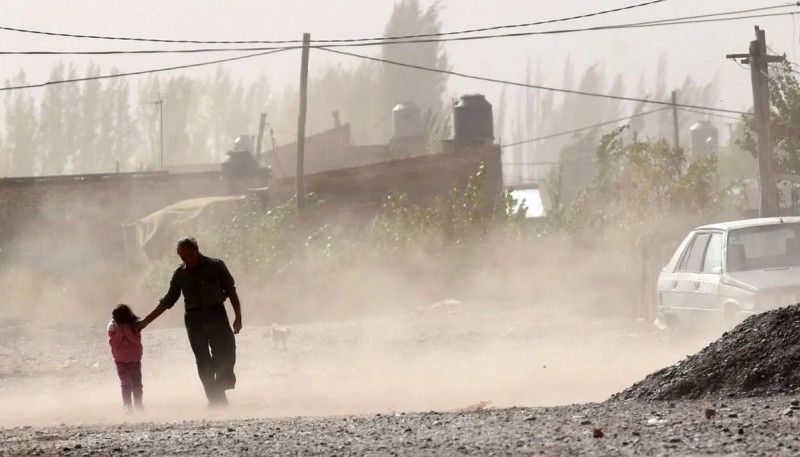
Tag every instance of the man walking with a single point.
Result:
(205, 283)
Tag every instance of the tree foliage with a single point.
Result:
(784, 94)
(93, 126)
(645, 188)
(541, 113)
(20, 149)
(364, 94)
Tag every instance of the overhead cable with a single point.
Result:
(402, 37)
(581, 129)
(383, 41)
(530, 86)
(722, 116)
(142, 72)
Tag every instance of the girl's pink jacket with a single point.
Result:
(126, 343)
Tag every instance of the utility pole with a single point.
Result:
(759, 62)
(160, 104)
(261, 123)
(676, 141)
(301, 128)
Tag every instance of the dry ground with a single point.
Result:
(54, 377)
(757, 427)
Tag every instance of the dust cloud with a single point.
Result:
(546, 322)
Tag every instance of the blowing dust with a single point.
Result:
(547, 323)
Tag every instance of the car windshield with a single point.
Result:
(764, 247)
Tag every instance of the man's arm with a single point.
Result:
(229, 288)
(169, 300)
(237, 312)
(157, 311)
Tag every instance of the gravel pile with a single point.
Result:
(760, 357)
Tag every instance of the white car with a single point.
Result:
(730, 270)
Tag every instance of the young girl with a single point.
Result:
(126, 348)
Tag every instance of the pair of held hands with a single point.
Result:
(237, 325)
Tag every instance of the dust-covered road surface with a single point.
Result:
(758, 426)
(349, 383)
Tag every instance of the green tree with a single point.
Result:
(20, 129)
(72, 120)
(124, 134)
(224, 100)
(647, 188)
(52, 126)
(180, 108)
(426, 89)
(87, 157)
(784, 94)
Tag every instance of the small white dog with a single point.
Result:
(279, 335)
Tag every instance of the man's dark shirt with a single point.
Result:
(206, 284)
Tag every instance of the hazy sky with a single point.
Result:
(698, 49)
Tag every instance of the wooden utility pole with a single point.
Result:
(676, 141)
(301, 128)
(160, 104)
(759, 62)
(261, 122)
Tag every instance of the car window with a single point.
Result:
(763, 247)
(713, 256)
(692, 261)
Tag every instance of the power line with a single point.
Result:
(530, 86)
(363, 42)
(581, 129)
(722, 116)
(142, 72)
(403, 37)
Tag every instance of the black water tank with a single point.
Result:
(239, 164)
(473, 118)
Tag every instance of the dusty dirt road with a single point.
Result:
(437, 358)
(760, 427)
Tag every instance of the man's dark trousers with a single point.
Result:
(209, 328)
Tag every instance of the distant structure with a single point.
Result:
(473, 119)
(240, 162)
(407, 121)
(703, 139)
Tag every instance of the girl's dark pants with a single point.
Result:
(130, 377)
(214, 347)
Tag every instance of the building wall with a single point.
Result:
(329, 150)
(421, 178)
(86, 213)
(97, 205)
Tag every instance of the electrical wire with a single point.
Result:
(402, 37)
(381, 42)
(721, 116)
(581, 129)
(530, 86)
(142, 72)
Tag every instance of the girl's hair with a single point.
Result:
(123, 314)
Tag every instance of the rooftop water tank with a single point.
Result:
(406, 121)
(704, 138)
(244, 143)
(473, 119)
